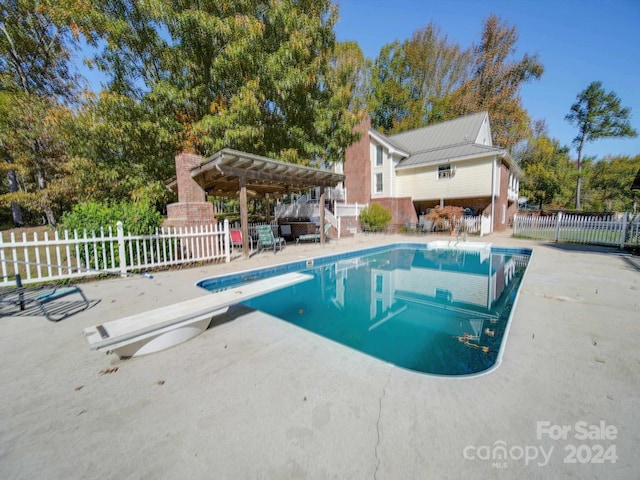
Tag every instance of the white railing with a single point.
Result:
(297, 210)
(73, 255)
(611, 230)
(349, 209)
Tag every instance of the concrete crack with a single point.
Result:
(384, 392)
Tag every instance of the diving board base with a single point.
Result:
(165, 327)
(163, 338)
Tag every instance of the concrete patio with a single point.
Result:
(256, 397)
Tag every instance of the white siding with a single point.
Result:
(384, 169)
(471, 179)
(484, 134)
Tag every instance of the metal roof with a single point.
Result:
(447, 154)
(452, 132)
(220, 174)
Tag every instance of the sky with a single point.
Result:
(577, 41)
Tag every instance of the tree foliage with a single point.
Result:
(597, 114)
(495, 83)
(610, 183)
(412, 81)
(548, 171)
(428, 79)
(245, 75)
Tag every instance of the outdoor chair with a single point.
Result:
(314, 237)
(237, 241)
(43, 297)
(266, 239)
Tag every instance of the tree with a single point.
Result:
(546, 166)
(411, 81)
(36, 38)
(245, 75)
(495, 83)
(32, 136)
(597, 114)
(610, 183)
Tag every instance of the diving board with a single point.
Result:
(159, 329)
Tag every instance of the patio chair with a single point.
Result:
(267, 239)
(42, 297)
(237, 240)
(314, 237)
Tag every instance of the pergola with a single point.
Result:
(231, 172)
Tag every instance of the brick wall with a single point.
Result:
(188, 188)
(192, 208)
(357, 166)
(402, 210)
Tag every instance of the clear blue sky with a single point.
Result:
(577, 41)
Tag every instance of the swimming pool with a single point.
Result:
(428, 308)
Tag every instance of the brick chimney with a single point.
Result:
(192, 208)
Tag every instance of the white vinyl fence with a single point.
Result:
(70, 254)
(621, 231)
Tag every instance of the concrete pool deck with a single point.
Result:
(256, 397)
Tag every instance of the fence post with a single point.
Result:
(121, 250)
(227, 247)
(623, 237)
(558, 219)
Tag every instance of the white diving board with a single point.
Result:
(164, 327)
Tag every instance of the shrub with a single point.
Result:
(374, 217)
(136, 218)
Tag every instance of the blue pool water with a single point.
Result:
(434, 310)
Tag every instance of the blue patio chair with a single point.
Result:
(267, 239)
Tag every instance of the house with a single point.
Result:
(450, 163)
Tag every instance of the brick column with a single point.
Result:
(192, 208)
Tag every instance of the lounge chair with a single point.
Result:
(237, 240)
(42, 297)
(314, 237)
(266, 239)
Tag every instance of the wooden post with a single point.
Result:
(322, 220)
(268, 207)
(244, 215)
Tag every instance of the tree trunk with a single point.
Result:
(579, 182)
(16, 210)
(46, 205)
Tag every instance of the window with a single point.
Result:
(379, 156)
(445, 171)
(378, 283)
(378, 183)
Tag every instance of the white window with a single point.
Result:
(379, 183)
(378, 155)
(378, 283)
(446, 171)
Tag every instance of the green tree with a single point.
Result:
(36, 81)
(412, 81)
(121, 150)
(546, 166)
(495, 83)
(246, 75)
(597, 114)
(610, 183)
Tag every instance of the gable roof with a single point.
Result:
(452, 132)
(448, 141)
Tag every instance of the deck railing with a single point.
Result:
(621, 231)
(74, 254)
